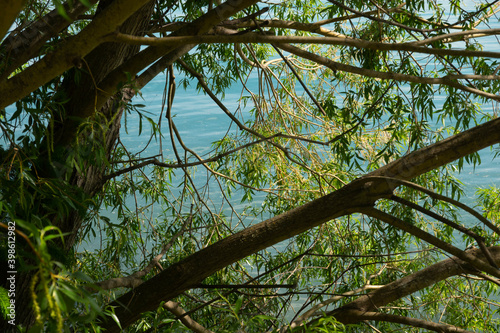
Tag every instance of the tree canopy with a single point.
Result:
(332, 200)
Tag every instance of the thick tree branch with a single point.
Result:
(449, 80)
(134, 280)
(437, 196)
(19, 47)
(69, 54)
(443, 152)
(163, 56)
(336, 66)
(252, 37)
(10, 10)
(352, 198)
(414, 322)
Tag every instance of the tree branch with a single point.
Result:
(162, 56)
(403, 26)
(468, 232)
(10, 10)
(175, 309)
(409, 285)
(396, 182)
(21, 46)
(69, 53)
(252, 37)
(316, 27)
(425, 236)
(455, 36)
(184, 165)
(240, 125)
(336, 66)
(360, 193)
(429, 325)
(313, 311)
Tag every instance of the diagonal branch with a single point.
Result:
(352, 198)
(394, 181)
(297, 76)
(425, 236)
(456, 36)
(162, 56)
(175, 309)
(9, 12)
(21, 46)
(408, 285)
(69, 54)
(414, 322)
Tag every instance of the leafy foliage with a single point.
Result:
(101, 210)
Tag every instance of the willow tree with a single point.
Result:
(333, 201)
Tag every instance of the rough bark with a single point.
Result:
(101, 61)
(25, 43)
(87, 51)
(106, 63)
(70, 53)
(148, 56)
(10, 10)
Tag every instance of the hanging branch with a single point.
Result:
(434, 195)
(406, 286)
(470, 233)
(425, 236)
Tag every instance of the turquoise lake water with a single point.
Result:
(201, 122)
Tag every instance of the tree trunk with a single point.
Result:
(97, 64)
